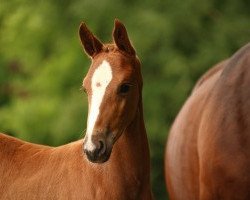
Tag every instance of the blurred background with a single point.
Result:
(42, 63)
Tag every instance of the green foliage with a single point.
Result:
(42, 63)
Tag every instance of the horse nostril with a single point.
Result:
(102, 147)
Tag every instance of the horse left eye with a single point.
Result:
(124, 88)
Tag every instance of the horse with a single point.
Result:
(207, 155)
(112, 161)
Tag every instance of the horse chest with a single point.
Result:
(120, 188)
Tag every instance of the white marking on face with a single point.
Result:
(101, 78)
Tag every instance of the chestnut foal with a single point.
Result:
(208, 150)
(115, 124)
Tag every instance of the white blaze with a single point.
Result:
(101, 78)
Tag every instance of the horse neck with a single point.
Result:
(132, 149)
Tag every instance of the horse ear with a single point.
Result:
(120, 37)
(90, 43)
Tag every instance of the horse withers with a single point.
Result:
(117, 162)
(208, 151)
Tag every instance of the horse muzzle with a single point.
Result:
(97, 150)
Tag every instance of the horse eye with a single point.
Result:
(124, 88)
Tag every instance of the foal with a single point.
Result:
(117, 165)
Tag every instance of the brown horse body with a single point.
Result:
(208, 150)
(30, 171)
